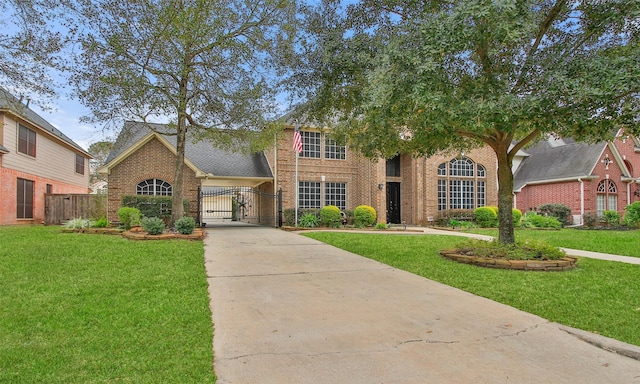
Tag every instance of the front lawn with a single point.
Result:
(599, 296)
(605, 241)
(80, 308)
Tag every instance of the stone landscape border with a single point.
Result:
(563, 264)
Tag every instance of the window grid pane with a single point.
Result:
(310, 144)
(461, 167)
(332, 150)
(24, 199)
(79, 164)
(600, 204)
(154, 187)
(26, 141)
(308, 194)
(442, 195)
(336, 194)
(482, 200)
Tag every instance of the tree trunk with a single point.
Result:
(506, 233)
(177, 210)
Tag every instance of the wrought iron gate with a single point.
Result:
(239, 204)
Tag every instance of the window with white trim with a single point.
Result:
(310, 144)
(154, 187)
(607, 197)
(461, 184)
(308, 194)
(333, 150)
(336, 194)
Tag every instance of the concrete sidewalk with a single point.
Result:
(289, 309)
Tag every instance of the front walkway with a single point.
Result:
(289, 309)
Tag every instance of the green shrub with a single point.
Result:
(288, 214)
(517, 216)
(589, 219)
(521, 250)
(101, 223)
(364, 216)
(486, 217)
(129, 217)
(632, 215)
(78, 223)
(533, 220)
(185, 225)
(445, 216)
(309, 220)
(331, 216)
(381, 226)
(153, 225)
(560, 211)
(611, 218)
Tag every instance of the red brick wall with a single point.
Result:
(153, 160)
(418, 178)
(8, 191)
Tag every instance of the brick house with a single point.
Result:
(35, 159)
(589, 178)
(402, 189)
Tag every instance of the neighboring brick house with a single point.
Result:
(35, 159)
(589, 178)
(403, 189)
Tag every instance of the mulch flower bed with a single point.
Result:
(563, 264)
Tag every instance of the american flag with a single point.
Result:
(297, 140)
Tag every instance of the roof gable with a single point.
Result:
(11, 104)
(201, 156)
(558, 162)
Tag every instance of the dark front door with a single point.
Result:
(393, 203)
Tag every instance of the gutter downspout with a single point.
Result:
(581, 200)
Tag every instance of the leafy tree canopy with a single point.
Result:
(194, 65)
(416, 77)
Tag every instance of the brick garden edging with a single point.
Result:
(564, 264)
(198, 234)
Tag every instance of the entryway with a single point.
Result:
(236, 205)
(393, 203)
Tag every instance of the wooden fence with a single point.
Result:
(62, 207)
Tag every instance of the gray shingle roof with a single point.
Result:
(547, 162)
(205, 156)
(11, 103)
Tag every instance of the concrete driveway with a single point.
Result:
(288, 309)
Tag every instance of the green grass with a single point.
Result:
(79, 308)
(615, 242)
(599, 296)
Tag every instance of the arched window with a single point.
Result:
(154, 187)
(461, 184)
(607, 199)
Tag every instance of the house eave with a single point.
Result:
(553, 181)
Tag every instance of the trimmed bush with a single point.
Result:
(364, 216)
(517, 216)
(331, 216)
(486, 217)
(632, 214)
(444, 217)
(533, 220)
(185, 225)
(590, 220)
(153, 225)
(611, 218)
(129, 217)
(560, 211)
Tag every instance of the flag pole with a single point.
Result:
(296, 179)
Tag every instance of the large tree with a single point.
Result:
(195, 65)
(33, 34)
(401, 76)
